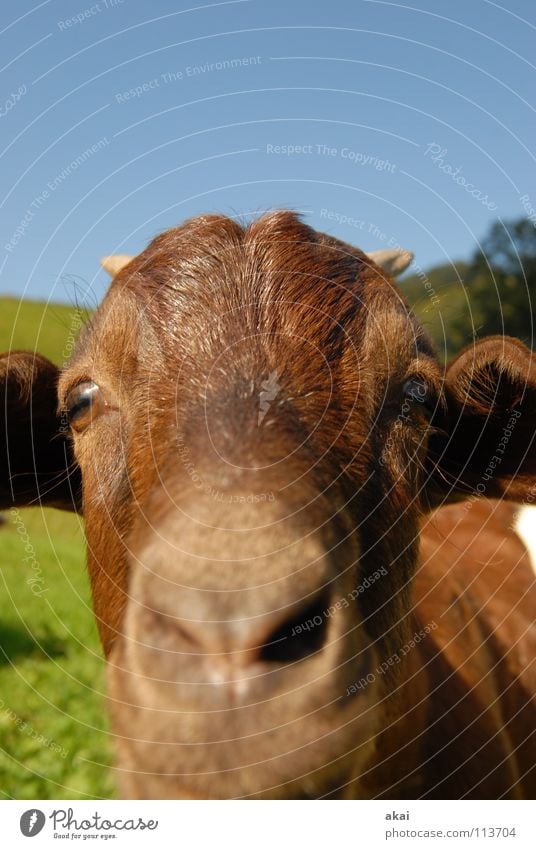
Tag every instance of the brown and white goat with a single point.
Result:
(264, 446)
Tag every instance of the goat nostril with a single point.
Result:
(300, 636)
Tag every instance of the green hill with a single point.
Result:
(47, 328)
(439, 298)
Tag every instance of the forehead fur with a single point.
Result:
(217, 307)
(276, 275)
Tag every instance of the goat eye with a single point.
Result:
(417, 389)
(83, 403)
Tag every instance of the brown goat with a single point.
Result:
(256, 428)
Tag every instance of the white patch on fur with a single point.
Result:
(525, 526)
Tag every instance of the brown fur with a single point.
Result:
(209, 530)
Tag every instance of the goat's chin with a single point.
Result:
(301, 749)
(317, 761)
(322, 784)
(133, 788)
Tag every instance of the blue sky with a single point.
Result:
(382, 121)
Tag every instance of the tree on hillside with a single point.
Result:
(438, 297)
(495, 292)
(501, 283)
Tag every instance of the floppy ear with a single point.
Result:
(484, 443)
(36, 459)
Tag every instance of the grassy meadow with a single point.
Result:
(54, 740)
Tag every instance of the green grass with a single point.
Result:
(54, 740)
(47, 328)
